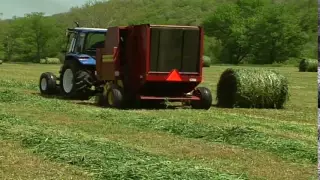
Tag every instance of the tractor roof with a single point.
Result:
(84, 29)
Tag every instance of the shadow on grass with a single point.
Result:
(49, 96)
(258, 108)
(93, 103)
(162, 107)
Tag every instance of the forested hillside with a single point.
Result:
(237, 31)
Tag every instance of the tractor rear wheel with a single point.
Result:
(114, 97)
(47, 83)
(205, 98)
(75, 82)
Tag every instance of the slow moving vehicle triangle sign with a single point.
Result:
(174, 76)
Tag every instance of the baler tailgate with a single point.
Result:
(174, 48)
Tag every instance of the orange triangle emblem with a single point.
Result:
(174, 76)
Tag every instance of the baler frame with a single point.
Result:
(109, 68)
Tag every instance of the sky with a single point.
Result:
(11, 8)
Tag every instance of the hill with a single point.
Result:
(21, 41)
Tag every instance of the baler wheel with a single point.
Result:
(205, 98)
(115, 97)
(47, 83)
(101, 100)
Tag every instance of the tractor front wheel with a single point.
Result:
(205, 98)
(47, 83)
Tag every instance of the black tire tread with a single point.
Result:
(117, 97)
(101, 100)
(51, 83)
(205, 101)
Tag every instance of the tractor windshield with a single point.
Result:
(94, 40)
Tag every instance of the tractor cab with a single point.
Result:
(85, 41)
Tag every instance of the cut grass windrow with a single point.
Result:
(105, 160)
(246, 137)
(232, 141)
(12, 83)
(218, 156)
(17, 163)
(10, 96)
(243, 136)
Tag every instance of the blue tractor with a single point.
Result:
(77, 75)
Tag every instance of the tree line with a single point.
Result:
(236, 31)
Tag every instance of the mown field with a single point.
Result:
(47, 138)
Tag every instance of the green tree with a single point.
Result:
(40, 31)
(278, 35)
(11, 39)
(258, 31)
(2, 31)
(31, 38)
(234, 28)
(229, 27)
(308, 19)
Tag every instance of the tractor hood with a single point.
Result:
(83, 58)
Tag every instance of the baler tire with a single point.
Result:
(205, 98)
(117, 97)
(82, 82)
(48, 83)
(101, 100)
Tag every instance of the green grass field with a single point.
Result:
(47, 138)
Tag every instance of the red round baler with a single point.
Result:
(152, 63)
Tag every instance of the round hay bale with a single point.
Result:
(43, 61)
(206, 61)
(1, 61)
(308, 65)
(252, 88)
(53, 60)
(318, 97)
